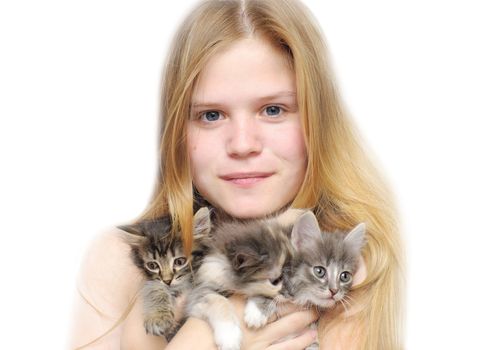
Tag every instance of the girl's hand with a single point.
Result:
(289, 331)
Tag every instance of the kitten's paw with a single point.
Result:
(153, 328)
(159, 326)
(227, 335)
(253, 317)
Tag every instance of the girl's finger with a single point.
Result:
(290, 324)
(300, 342)
(284, 309)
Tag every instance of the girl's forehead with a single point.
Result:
(287, 96)
(250, 69)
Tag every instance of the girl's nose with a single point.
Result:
(244, 138)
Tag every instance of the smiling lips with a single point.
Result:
(245, 179)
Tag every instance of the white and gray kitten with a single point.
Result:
(247, 258)
(167, 270)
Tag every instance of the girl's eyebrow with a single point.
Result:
(198, 104)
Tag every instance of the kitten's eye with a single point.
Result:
(319, 271)
(152, 266)
(179, 261)
(345, 277)
(277, 280)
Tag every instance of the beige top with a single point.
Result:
(109, 281)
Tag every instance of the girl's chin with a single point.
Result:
(248, 204)
(246, 214)
(248, 209)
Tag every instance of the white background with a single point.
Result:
(79, 85)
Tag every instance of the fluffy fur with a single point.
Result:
(324, 263)
(246, 258)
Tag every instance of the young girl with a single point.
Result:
(251, 124)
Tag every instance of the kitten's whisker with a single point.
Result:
(348, 297)
(343, 304)
(348, 300)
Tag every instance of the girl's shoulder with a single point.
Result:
(107, 283)
(107, 277)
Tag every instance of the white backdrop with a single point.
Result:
(79, 85)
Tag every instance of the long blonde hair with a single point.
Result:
(341, 183)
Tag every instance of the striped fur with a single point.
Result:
(168, 271)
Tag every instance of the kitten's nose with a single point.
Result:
(333, 291)
(168, 282)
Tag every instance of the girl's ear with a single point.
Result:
(305, 231)
(202, 223)
(133, 234)
(355, 239)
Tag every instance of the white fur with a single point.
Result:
(227, 335)
(253, 317)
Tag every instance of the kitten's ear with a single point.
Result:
(242, 260)
(305, 231)
(202, 223)
(355, 239)
(135, 229)
(133, 234)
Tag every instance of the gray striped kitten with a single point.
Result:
(247, 258)
(320, 273)
(167, 270)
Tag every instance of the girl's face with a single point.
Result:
(245, 141)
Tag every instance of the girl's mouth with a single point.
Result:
(246, 179)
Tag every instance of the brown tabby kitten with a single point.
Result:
(168, 271)
(246, 258)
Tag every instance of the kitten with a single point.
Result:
(320, 272)
(167, 270)
(246, 258)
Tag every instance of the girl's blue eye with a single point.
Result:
(273, 110)
(210, 116)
